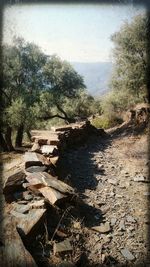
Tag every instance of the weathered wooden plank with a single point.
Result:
(12, 251)
(14, 182)
(48, 180)
(35, 159)
(51, 194)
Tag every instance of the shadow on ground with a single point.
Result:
(77, 166)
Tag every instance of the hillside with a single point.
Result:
(96, 75)
(93, 213)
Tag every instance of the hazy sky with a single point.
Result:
(75, 32)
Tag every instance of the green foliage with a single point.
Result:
(130, 58)
(61, 78)
(128, 83)
(106, 122)
(16, 112)
(37, 87)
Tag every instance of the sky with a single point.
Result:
(75, 32)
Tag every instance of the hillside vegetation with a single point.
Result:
(40, 90)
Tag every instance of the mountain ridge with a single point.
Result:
(96, 75)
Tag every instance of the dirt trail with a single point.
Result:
(103, 172)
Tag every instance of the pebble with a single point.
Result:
(36, 169)
(113, 221)
(127, 254)
(139, 178)
(122, 225)
(113, 181)
(27, 195)
(122, 185)
(130, 219)
(103, 228)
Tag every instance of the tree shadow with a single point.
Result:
(77, 166)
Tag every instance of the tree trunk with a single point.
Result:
(29, 135)
(3, 143)
(66, 118)
(19, 136)
(8, 138)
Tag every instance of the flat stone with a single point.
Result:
(127, 254)
(63, 246)
(21, 208)
(35, 159)
(36, 169)
(49, 149)
(14, 182)
(30, 221)
(103, 228)
(51, 194)
(45, 179)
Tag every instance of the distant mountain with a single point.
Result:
(96, 76)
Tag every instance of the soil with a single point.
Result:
(103, 171)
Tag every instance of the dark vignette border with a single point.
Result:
(3, 3)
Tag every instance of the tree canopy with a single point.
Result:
(37, 87)
(130, 58)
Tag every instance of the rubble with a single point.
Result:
(63, 246)
(30, 222)
(37, 182)
(45, 179)
(49, 149)
(103, 228)
(36, 205)
(127, 254)
(51, 194)
(34, 159)
(36, 169)
(14, 182)
(139, 178)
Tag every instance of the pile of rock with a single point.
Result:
(28, 191)
(31, 188)
(56, 140)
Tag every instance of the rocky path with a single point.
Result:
(111, 178)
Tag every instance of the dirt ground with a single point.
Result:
(104, 173)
